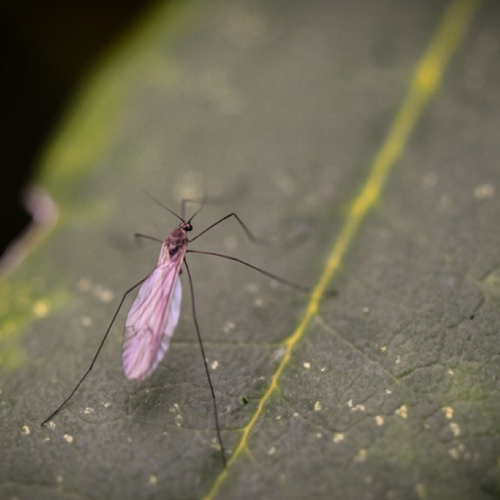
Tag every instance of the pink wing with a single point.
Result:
(152, 319)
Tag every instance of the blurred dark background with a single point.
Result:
(46, 49)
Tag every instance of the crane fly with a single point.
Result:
(155, 312)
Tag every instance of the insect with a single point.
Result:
(155, 312)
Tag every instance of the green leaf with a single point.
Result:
(368, 131)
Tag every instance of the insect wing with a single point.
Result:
(152, 319)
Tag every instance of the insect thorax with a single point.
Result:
(176, 240)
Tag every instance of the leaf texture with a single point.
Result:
(364, 137)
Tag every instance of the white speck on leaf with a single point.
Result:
(26, 430)
(484, 191)
(84, 285)
(448, 412)
(317, 406)
(456, 451)
(379, 420)
(271, 451)
(307, 365)
(103, 294)
(178, 418)
(358, 408)
(86, 321)
(41, 308)
(455, 428)
(215, 444)
(228, 326)
(402, 411)
(214, 365)
(68, 438)
(338, 437)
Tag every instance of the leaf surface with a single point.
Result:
(361, 136)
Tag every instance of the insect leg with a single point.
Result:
(54, 413)
(291, 284)
(147, 237)
(250, 235)
(214, 399)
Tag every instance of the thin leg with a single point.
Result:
(146, 237)
(250, 235)
(291, 284)
(214, 399)
(53, 414)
